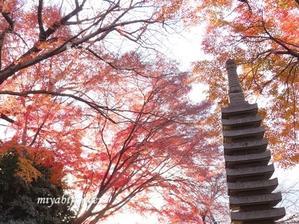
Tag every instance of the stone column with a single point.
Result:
(248, 172)
(236, 95)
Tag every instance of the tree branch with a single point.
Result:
(42, 35)
(96, 107)
(9, 20)
(5, 117)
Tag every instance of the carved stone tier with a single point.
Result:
(245, 146)
(254, 171)
(258, 216)
(232, 160)
(243, 133)
(238, 187)
(244, 121)
(260, 199)
(247, 160)
(243, 108)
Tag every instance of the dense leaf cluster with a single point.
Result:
(18, 199)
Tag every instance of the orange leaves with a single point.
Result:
(289, 25)
(29, 157)
(26, 171)
(207, 4)
(6, 6)
(264, 41)
(207, 73)
(169, 9)
(186, 10)
(262, 113)
(277, 157)
(43, 45)
(10, 106)
(57, 174)
(295, 158)
(6, 146)
(50, 44)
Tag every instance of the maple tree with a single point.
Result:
(109, 122)
(198, 203)
(263, 38)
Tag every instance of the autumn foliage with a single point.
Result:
(24, 179)
(85, 93)
(263, 37)
(114, 124)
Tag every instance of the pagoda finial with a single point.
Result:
(236, 95)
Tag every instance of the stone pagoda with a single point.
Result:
(248, 172)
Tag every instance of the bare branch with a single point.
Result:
(96, 107)
(5, 117)
(42, 35)
(9, 20)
